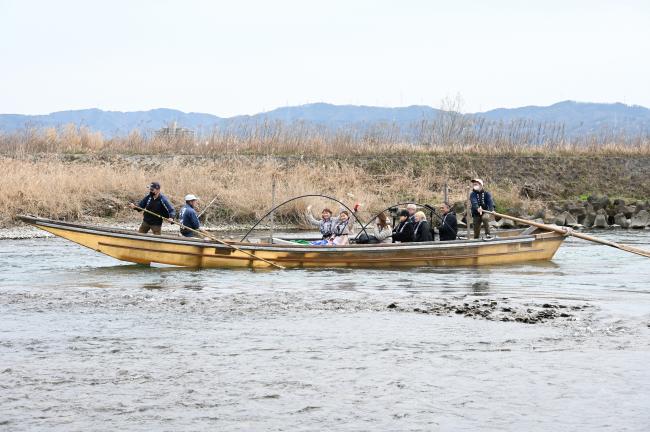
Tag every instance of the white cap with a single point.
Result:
(477, 180)
(191, 197)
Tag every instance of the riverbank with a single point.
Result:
(81, 186)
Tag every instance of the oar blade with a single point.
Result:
(635, 250)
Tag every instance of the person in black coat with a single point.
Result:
(448, 225)
(422, 228)
(403, 231)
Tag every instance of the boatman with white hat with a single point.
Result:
(480, 200)
(188, 217)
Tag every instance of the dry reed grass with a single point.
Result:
(54, 188)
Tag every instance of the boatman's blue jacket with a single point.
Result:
(481, 199)
(188, 217)
(160, 205)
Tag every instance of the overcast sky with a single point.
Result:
(243, 57)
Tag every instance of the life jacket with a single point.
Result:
(340, 228)
(325, 227)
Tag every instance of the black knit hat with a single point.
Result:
(404, 213)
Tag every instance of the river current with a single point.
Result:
(90, 343)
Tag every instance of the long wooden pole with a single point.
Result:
(569, 231)
(211, 237)
(206, 207)
(468, 214)
(273, 207)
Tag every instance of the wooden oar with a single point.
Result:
(208, 206)
(211, 237)
(569, 231)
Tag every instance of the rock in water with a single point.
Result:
(601, 219)
(621, 220)
(640, 220)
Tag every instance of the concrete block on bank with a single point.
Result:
(621, 220)
(590, 218)
(601, 219)
(640, 220)
(505, 223)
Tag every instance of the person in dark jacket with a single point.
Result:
(403, 231)
(188, 217)
(422, 228)
(448, 224)
(480, 200)
(157, 203)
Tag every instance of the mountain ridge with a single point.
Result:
(579, 118)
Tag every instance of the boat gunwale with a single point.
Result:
(383, 247)
(329, 259)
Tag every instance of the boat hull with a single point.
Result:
(178, 251)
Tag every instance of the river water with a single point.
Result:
(89, 343)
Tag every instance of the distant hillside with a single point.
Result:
(342, 115)
(579, 118)
(112, 123)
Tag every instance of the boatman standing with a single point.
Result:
(480, 200)
(188, 217)
(156, 203)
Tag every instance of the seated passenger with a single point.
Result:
(448, 225)
(325, 224)
(403, 232)
(412, 209)
(422, 229)
(382, 230)
(342, 229)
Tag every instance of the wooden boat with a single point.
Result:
(512, 246)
